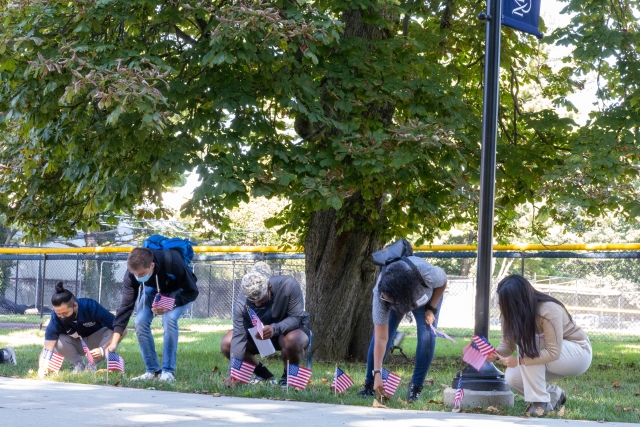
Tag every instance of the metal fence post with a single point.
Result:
(209, 293)
(15, 297)
(44, 279)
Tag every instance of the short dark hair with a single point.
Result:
(62, 296)
(139, 258)
(518, 302)
(398, 282)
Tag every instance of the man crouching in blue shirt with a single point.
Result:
(74, 320)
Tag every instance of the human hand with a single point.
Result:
(159, 311)
(97, 352)
(231, 382)
(42, 371)
(267, 333)
(378, 385)
(112, 347)
(510, 361)
(493, 357)
(429, 317)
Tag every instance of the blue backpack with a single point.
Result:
(183, 246)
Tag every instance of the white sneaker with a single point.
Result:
(145, 377)
(167, 377)
(10, 356)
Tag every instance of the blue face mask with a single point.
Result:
(143, 278)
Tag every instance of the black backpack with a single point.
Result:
(397, 251)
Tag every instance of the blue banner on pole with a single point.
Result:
(522, 15)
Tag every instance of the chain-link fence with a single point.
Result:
(600, 290)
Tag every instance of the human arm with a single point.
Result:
(130, 288)
(112, 346)
(429, 315)
(42, 364)
(381, 339)
(291, 294)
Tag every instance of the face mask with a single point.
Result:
(143, 278)
(67, 321)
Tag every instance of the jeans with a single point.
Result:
(144, 316)
(424, 350)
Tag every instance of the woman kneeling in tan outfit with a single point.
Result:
(550, 345)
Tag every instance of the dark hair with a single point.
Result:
(398, 282)
(139, 258)
(518, 302)
(62, 296)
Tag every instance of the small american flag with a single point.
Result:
(255, 320)
(115, 362)
(459, 394)
(341, 381)
(297, 376)
(440, 334)
(475, 354)
(390, 381)
(163, 301)
(87, 352)
(241, 371)
(53, 360)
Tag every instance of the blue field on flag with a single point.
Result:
(163, 301)
(341, 381)
(115, 362)
(390, 381)
(255, 321)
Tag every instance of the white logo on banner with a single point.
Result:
(524, 6)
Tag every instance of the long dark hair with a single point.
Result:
(62, 296)
(518, 302)
(398, 283)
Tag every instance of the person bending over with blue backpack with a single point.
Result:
(158, 282)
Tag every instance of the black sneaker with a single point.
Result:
(283, 381)
(367, 391)
(413, 393)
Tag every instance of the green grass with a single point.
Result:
(609, 390)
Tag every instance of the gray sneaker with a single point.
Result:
(9, 355)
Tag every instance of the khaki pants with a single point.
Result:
(71, 348)
(532, 380)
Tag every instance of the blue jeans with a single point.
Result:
(144, 316)
(424, 350)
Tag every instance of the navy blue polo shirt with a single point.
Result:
(91, 318)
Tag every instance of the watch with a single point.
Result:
(376, 371)
(432, 309)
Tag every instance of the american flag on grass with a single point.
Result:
(297, 376)
(390, 381)
(87, 352)
(115, 362)
(459, 394)
(163, 301)
(255, 321)
(53, 360)
(240, 370)
(341, 381)
(440, 334)
(475, 354)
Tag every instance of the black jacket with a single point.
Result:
(178, 277)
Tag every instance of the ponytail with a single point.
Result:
(62, 296)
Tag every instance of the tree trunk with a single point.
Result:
(340, 276)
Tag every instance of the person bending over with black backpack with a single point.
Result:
(409, 284)
(158, 282)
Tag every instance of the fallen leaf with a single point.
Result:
(601, 421)
(377, 404)
(444, 385)
(215, 369)
(616, 385)
(539, 412)
(118, 384)
(493, 409)
(617, 408)
(402, 401)
(14, 376)
(428, 381)
(455, 410)
(324, 380)
(216, 395)
(435, 401)
(561, 412)
(151, 388)
(629, 408)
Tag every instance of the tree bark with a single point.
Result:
(340, 276)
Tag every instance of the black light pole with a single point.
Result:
(489, 377)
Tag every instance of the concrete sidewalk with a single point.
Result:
(26, 403)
